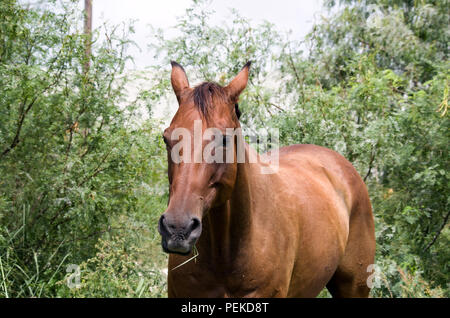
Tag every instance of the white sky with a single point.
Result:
(295, 15)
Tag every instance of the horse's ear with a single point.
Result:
(179, 79)
(238, 84)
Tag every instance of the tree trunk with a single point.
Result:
(88, 33)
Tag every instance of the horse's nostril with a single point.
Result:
(166, 225)
(195, 223)
(162, 226)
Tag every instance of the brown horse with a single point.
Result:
(283, 234)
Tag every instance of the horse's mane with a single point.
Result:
(204, 94)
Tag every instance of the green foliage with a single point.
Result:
(84, 180)
(71, 158)
(409, 37)
(122, 267)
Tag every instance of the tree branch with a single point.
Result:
(96, 171)
(16, 139)
(438, 232)
(22, 116)
(372, 159)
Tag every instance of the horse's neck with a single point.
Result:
(228, 228)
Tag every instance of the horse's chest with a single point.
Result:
(228, 282)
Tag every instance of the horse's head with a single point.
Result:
(202, 154)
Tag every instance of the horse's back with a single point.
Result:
(303, 161)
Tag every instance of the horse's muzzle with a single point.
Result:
(179, 237)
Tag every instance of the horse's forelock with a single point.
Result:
(204, 93)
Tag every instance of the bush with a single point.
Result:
(72, 159)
